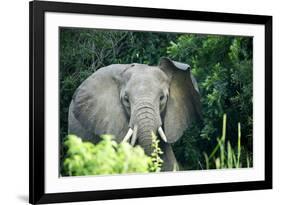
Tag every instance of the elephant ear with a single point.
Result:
(183, 106)
(97, 103)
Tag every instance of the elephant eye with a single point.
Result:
(126, 98)
(162, 102)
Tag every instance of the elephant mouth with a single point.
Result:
(132, 134)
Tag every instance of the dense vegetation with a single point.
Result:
(108, 157)
(222, 66)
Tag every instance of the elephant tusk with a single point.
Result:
(128, 135)
(134, 138)
(162, 134)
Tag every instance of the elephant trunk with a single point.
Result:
(147, 120)
(145, 138)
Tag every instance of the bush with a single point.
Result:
(108, 157)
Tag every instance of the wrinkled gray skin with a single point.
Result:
(121, 96)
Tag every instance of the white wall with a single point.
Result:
(14, 100)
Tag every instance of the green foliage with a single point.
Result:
(222, 157)
(108, 157)
(155, 155)
(222, 66)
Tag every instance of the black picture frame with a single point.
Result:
(37, 9)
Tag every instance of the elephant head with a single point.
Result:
(130, 101)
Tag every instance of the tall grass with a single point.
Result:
(224, 155)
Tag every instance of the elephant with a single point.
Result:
(130, 101)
